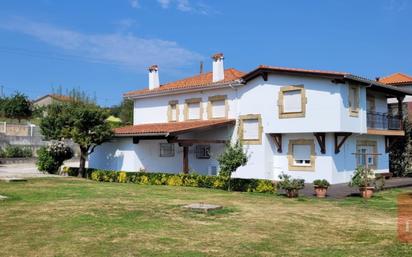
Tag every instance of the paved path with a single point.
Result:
(340, 191)
(21, 170)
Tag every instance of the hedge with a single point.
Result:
(188, 180)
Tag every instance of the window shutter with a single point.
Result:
(251, 129)
(292, 101)
(173, 112)
(301, 152)
(193, 111)
(218, 109)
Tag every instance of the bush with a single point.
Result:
(188, 180)
(50, 158)
(12, 151)
(291, 185)
(321, 183)
(363, 177)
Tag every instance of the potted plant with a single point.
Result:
(321, 187)
(364, 179)
(291, 186)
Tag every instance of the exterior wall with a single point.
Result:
(154, 109)
(326, 108)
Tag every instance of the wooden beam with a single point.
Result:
(197, 141)
(185, 159)
(277, 138)
(386, 132)
(339, 144)
(264, 76)
(321, 138)
(135, 140)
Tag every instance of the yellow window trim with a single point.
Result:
(242, 118)
(286, 115)
(169, 111)
(186, 109)
(354, 112)
(291, 163)
(212, 99)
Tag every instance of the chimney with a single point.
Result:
(218, 69)
(154, 77)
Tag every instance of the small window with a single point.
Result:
(353, 100)
(292, 102)
(217, 107)
(301, 155)
(250, 129)
(173, 114)
(366, 154)
(203, 151)
(167, 150)
(193, 109)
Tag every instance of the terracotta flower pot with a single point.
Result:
(366, 192)
(320, 191)
(292, 193)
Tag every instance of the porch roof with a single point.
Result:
(171, 128)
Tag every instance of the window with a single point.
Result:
(292, 102)
(353, 101)
(301, 155)
(193, 109)
(217, 107)
(250, 129)
(366, 154)
(203, 151)
(173, 111)
(167, 150)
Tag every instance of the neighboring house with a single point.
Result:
(310, 124)
(50, 99)
(402, 81)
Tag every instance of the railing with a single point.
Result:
(384, 121)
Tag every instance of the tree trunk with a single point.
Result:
(82, 167)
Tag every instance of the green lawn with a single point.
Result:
(72, 217)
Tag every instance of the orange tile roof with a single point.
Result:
(171, 127)
(63, 98)
(396, 79)
(191, 82)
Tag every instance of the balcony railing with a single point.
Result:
(384, 121)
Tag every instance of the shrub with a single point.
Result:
(51, 157)
(363, 177)
(12, 151)
(291, 185)
(189, 180)
(321, 183)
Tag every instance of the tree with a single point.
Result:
(84, 123)
(401, 152)
(18, 106)
(232, 158)
(124, 111)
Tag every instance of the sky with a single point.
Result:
(105, 47)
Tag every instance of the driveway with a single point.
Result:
(21, 170)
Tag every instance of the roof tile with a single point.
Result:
(396, 79)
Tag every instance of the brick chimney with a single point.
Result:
(154, 77)
(218, 68)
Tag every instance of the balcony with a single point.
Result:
(384, 124)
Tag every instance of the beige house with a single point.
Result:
(49, 99)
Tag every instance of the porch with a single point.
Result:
(198, 138)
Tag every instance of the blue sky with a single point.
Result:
(104, 47)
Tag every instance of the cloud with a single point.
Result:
(135, 3)
(164, 3)
(187, 6)
(126, 50)
(396, 5)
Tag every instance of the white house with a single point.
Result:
(310, 124)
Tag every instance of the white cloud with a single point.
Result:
(184, 6)
(135, 3)
(164, 3)
(127, 50)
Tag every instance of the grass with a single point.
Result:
(73, 217)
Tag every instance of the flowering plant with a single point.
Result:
(363, 177)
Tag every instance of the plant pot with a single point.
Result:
(292, 193)
(366, 192)
(320, 191)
